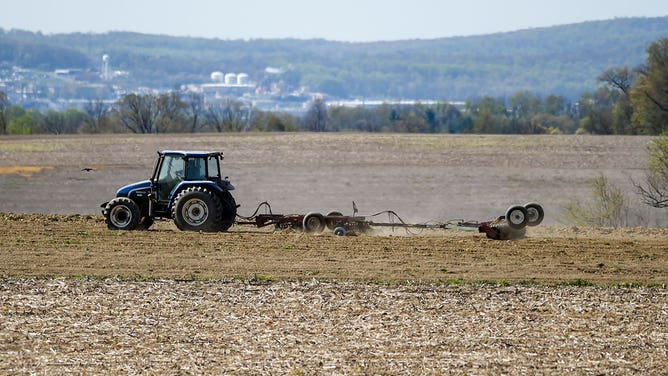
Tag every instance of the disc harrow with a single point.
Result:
(512, 225)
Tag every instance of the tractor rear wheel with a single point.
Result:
(229, 211)
(121, 213)
(197, 209)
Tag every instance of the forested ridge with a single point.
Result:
(562, 60)
(621, 93)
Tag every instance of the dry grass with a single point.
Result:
(66, 326)
(25, 171)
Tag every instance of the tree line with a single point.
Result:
(628, 101)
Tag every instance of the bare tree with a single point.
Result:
(96, 109)
(228, 116)
(316, 117)
(619, 78)
(150, 113)
(196, 110)
(138, 113)
(171, 113)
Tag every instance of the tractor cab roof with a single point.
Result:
(195, 154)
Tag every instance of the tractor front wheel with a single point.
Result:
(197, 209)
(121, 213)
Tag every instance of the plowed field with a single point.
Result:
(56, 245)
(76, 298)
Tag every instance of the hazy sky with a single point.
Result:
(344, 20)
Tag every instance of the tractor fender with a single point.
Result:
(213, 186)
(225, 185)
(137, 192)
(129, 189)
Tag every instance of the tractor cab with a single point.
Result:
(174, 170)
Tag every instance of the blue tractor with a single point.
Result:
(186, 186)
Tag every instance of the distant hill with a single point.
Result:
(562, 60)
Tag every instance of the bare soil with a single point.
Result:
(77, 298)
(56, 245)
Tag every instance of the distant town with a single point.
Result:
(65, 88)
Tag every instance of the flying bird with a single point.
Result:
(87, 169)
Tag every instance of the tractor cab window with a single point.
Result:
(214, 169)
(196, 169)
(171, 173)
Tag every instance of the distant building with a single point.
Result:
(106, 76)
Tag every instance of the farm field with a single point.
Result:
(421, 177)
(78, 298)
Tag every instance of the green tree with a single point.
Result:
(620, 80)
(75, 120)
(524, 106)
(555, 105)
(596, 111)
(654, 192)
(489, 115)
(649, 96)
(22, 125)
(416, 118)
(4, 106)
(275, 122)
(54, 122)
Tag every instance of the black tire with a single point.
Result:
(313, 223)
(121, 213)
(340, 231)
(517, 217)
(145, 223)
(333, 223)
(229, 211)
(197, 209)
(535, 214)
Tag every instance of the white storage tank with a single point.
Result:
(217, 76)
(230, 79)
(242, 79)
